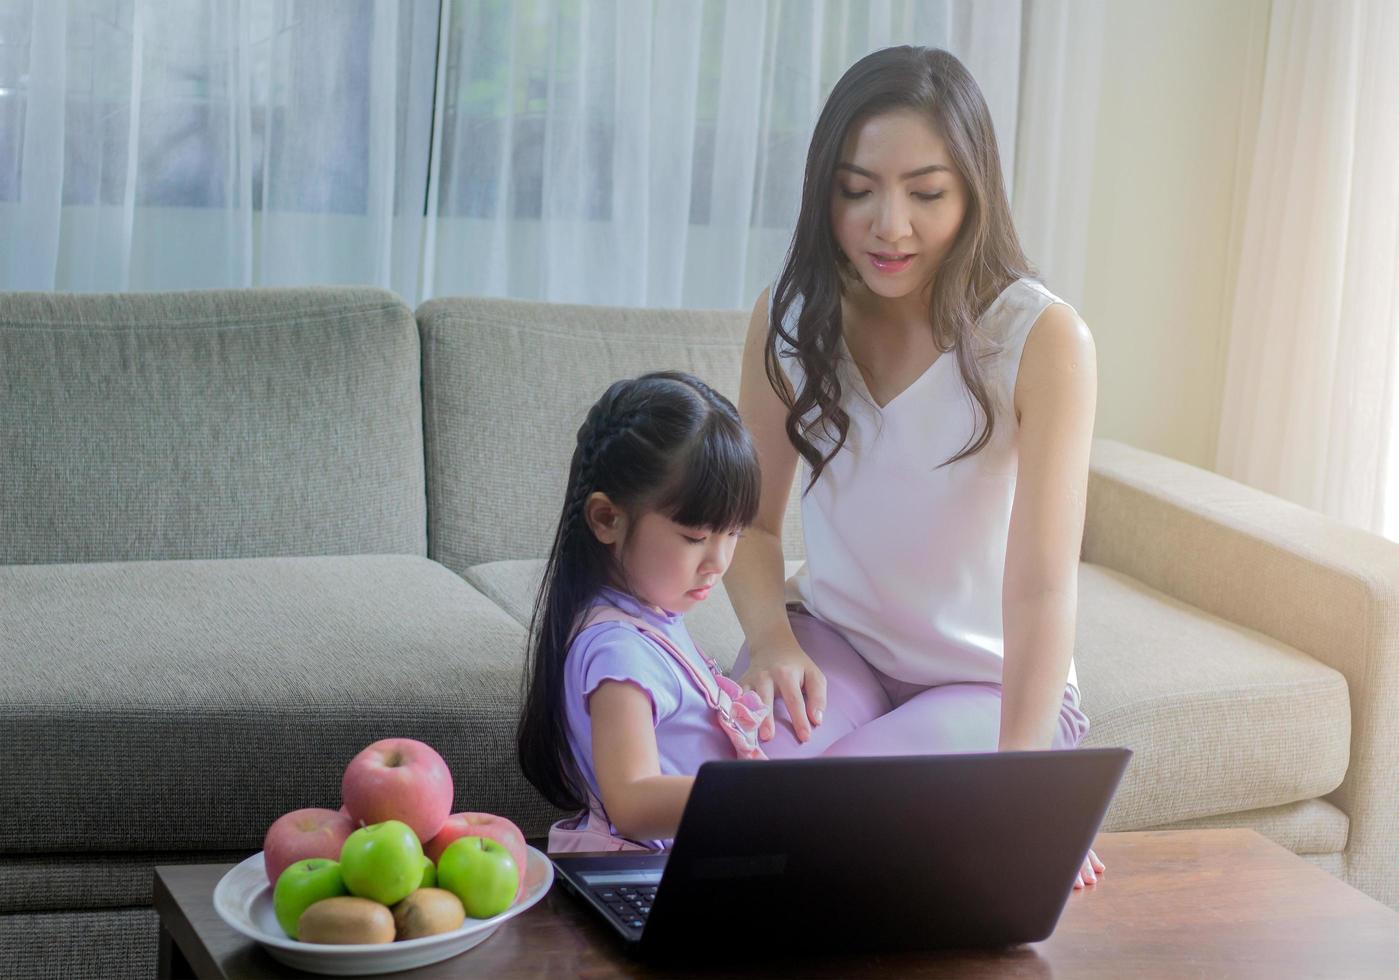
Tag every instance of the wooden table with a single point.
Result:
(1206, 903)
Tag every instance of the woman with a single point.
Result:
(941, 401)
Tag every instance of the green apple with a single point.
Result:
(481, 873)
(302, 885)
(383, 861)
(429, 873)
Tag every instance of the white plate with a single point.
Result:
(243, 899)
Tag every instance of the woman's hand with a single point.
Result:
(786, 671)
(1092, 867)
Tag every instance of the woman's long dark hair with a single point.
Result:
(985, 257)
(663, 442)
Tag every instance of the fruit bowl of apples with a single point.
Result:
(391, 881)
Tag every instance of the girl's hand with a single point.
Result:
(1092, 867)
(785, 670)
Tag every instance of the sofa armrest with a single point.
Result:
(1326, 589)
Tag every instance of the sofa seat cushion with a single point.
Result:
(1220, 718)
(84, 882)
(185, 705)
(1306, 827)
(81, 945)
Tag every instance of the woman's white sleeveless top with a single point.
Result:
(906, 557)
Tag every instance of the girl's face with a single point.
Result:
(897, 203)
(673, 566)
(667, 565)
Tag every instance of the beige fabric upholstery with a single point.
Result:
(220, 423)
(1306, 827)
(197, 701)
(506, 385)
(1327, 590)
(1214, 713)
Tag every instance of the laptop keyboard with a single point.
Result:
(628, 905)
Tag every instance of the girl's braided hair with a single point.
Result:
(663, 442)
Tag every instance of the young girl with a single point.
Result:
(621, 706)
(941, 400)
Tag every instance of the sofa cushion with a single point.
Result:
(69, 882)
(1313, 826)
(81, 945)
(166, 706)
(215, 424)
(507, 383)
(1220, 719)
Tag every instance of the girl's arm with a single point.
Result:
(642, 804)
(1055, 399)
(778, 666)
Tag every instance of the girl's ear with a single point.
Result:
(606, 520)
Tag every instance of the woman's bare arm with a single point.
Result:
(1055, 399)
(754, 580)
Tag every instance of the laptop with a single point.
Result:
(908, 852)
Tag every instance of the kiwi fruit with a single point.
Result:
(427, 912)
(346, 920)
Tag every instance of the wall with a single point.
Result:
(1177, 112)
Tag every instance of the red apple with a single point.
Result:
(302, 834)
(486, 825)
(398, 779)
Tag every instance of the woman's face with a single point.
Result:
(898, 203)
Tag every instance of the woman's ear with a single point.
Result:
(606, 520)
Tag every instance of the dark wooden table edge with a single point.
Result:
(184, 953)
(181, 954)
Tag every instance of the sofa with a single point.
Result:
(245, 533)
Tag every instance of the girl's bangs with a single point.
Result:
(716, 483)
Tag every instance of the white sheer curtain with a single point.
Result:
(1061, 81)
(608, 151)
(651, 153)
(1311, 395)
(159, 144)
